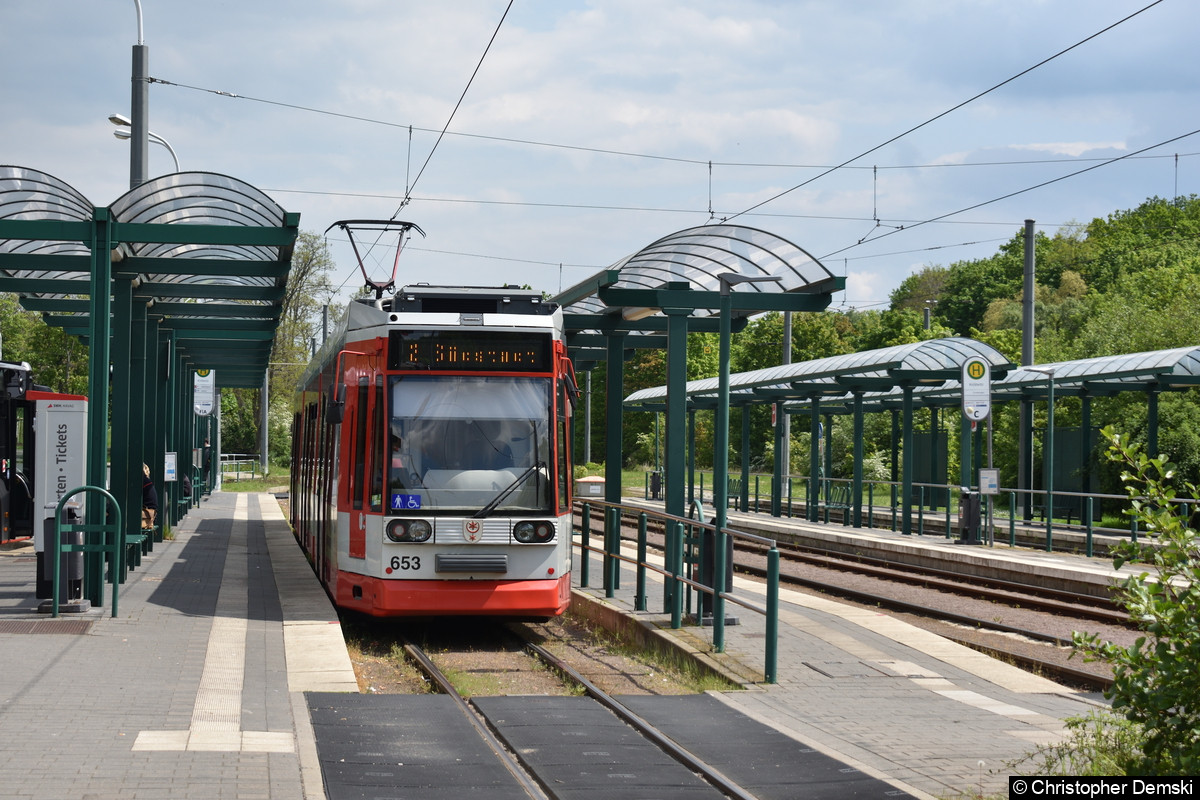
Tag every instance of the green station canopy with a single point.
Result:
(208, 254)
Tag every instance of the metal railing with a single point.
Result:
(689, 541)
(241, 467)
(106, 540)
(933, 507)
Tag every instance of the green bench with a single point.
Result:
(839, 498)
(733, 496)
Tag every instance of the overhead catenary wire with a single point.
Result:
(461, 97)
(974, 206)
(632, 154)
(942, 218)
(948, 111)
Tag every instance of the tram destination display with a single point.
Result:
(491, 351)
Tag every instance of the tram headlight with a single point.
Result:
(404, 531)
(533, 531)
(524, 532)
(419, 531)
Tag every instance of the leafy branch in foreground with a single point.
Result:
(1155, 684)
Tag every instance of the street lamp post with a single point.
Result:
(1048, 452)
(124, 133)
(721, 454)
(139, 108)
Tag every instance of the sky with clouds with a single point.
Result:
(591, 129)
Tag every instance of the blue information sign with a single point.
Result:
(401, 502)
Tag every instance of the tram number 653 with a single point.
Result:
(406, 562)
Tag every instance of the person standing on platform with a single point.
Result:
(149, 499)
(206, 458)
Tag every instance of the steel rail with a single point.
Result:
(688, 759)
(511, 763)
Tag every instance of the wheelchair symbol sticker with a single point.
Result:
(405, 501)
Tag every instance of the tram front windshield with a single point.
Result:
(457, 443)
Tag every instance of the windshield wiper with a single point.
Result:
(507, 490)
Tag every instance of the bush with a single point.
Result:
(1155, 685)
(1097, 744)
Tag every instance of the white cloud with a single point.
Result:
(1073, 149)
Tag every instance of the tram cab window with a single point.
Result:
(463, 439)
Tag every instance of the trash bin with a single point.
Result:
(70, 564)
(656, 486)
(969, 504)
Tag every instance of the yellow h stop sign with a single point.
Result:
(976, 389)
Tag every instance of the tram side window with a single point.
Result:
(376, 436)
(23, 454)
(360, 445)
(563, 441)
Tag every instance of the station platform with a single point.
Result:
(195, 690)
(198, 688)
(932, 717)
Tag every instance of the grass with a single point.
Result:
(681, 669)
(280, 476)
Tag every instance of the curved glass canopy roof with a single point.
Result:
(209, 255)
(930, 362)
(696, 257)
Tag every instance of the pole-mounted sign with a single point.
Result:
(976, 389)
(204, 382)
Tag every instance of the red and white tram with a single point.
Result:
(431, 463)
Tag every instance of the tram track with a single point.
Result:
(1026, 625)
(524, 770)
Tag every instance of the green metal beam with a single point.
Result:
(241, 329)
(691, 298)
(51, 230)
(209, 291)
(658, 324)
(223, 310)
(39, 285)
(588, 287)
(204, 266)
(235, 235)
(63, 305)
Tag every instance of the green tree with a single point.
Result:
(1157, 233)
(1154, 682)
(307, 291)
(58, 360)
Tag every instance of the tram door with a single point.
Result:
(16, 469)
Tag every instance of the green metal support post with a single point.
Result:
(1152, 421)
(1048, 454)
(141, 419)
(126, 483)
(780, 470)
(813, 501)
(100, 331)
(744, 500)
(1049, 468)
(614, 390)
(721, 477)
(906, 454)
(721, 456)
(964, 450)
(857, 484)
(675, 461)
(691, 482)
